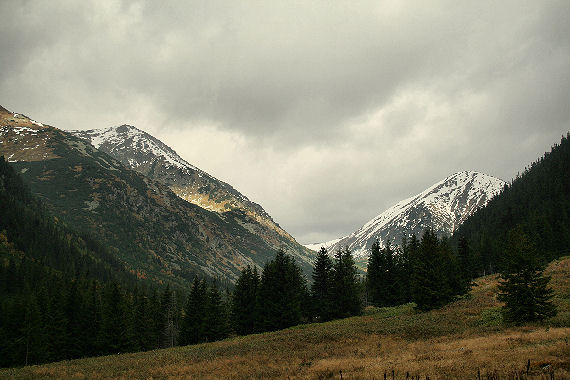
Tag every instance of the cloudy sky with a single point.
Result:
(324, 112)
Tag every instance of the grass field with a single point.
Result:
(458, 341)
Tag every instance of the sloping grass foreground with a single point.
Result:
(459, 341)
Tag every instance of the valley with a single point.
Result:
(457, 341)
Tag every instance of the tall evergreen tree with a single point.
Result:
(33, 332)
(91, 323)
(281, 296)
(56, 322)
(465, 261)
(169, 306)
(74, 346)
(346, 286)
(321, 291)
(523, 286)
(244, 299)
(428, 284)
(194, 321)
(142, 322)
(115, 330)
(216, 326)
(375, 276)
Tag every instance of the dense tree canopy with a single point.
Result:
(523, 287)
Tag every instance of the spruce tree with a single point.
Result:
(193, 322)
(282, 292)
(375, 278)
(346, 285)
(56, 323)
(142, 322)
(321, 291)
(465, 261)
(215, 316)
(74, 346)
(523, 286)
(428, 285)
(92, 320)
(392, 286)
(169, 306)
(33, 332)
(115, 332)
(244, 299)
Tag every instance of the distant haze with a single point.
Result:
(324, 112)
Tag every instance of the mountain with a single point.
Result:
(538, 201)
(443, 207)
(149, 156)
(152, 231)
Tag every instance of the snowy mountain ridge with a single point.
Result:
(129, 136)
(443, 207)
(148, 155)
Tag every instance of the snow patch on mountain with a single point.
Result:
(128, 136)
(442, 207)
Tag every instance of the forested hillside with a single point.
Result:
(153, 232)
(538, 200)
(64, 296)
(52, 283)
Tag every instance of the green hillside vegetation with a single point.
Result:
(60, 292)
(97, 259)
(142, 223)
(455, 341)
(538, 200)
(62, 299)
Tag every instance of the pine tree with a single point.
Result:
(375, 276)
(142, 322)
(193, 322)
(92, 320)
(465, 261)
(523, 286)
(157, 318)
(56, 323)
(282, 292)
(33, 332)
(428, 285)
(403, 271)
(115, 332)
(321, 291)
(244, 299)
(74, 346)
(169, 306)
(453, 282)
(215, 316)
(346, 286)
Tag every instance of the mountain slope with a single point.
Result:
(443, 207)
(146, 154)
(455, 342)
(150, 229)
(538, 200)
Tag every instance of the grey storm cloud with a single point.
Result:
(350, 105)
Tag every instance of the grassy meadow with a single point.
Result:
(460, 340)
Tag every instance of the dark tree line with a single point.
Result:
(63, 296)
(48, 317)
(280, 297)
(538, 200)
(523, 287)
(424, 271)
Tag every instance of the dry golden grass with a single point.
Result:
(454, 342)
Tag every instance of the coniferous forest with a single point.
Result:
(65, 296)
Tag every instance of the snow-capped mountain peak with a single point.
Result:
(129, 138)
(146, 154)
(443, 207)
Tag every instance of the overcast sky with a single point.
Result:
(324, 112)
